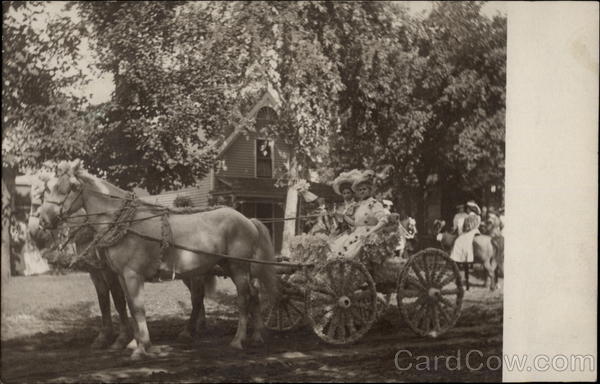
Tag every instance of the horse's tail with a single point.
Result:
(265, 252)
(498, 244)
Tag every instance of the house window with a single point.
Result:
(264, 158)
(266, 118)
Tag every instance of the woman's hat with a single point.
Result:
(366, 177)
(345, 180)
(473, 207)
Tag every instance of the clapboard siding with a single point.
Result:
(240, 157)
(198, 195)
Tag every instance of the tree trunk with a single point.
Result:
(291, 207)
(8, 188)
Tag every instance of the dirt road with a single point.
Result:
(48, 324)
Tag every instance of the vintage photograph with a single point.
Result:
(253, 191)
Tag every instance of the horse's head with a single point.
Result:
(63, 197)
(493, 224)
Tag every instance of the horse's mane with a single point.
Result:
(99, 184)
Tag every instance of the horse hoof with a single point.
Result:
(121, 343)
(132, 344)
(100, 342)
(139, 354)
(236, 344)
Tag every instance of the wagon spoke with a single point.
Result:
(293, 306)
(446, 302)
(426, 321)
(351, 326)
(447, 280)
(442, 274)
(418, 271)
(342, 324)
(419, 313)
(443, 312)
(333, 324)
(324, 289)
(409, 280)
(408, 293)
(447, 292)
(436, 318)
(425, 265)
(438, 271)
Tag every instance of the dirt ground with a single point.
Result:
(49, 322)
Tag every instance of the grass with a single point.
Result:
(60, 303)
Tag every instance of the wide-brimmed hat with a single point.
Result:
(472, 206)
(367, 177)
(345, 180)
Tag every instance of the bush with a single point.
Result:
(182, 201)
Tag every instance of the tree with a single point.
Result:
(160, 128)
(428, 98)
(41, 117)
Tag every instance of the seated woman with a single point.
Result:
(369, 217)
(344, 213)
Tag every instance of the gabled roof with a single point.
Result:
(269, 99)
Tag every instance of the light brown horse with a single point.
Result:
(135, 258)
(484, 250)
(105, 280)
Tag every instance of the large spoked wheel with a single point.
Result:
(430, 292)
(342, 301)
(287, 311)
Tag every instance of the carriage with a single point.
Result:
(342, 298)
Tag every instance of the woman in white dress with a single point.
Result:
(369, 216)
(344, 212)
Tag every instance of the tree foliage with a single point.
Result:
(41, 118)
(156, 130)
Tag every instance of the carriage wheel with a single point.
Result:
(430, 292)
(342, 301)
(287, 311)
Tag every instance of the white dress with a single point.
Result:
(462, 252)
(35, 264)
(368, 214)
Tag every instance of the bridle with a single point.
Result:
(61, 204)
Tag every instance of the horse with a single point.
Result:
(485, 250)
(191, 243)
(105, 281)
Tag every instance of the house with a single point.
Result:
(245, 174)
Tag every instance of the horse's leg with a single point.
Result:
(241, 278)
(133, 285)
(197, 319)
(258, 325)
(120, 304)
(106, 333)
(198, 300)
(491, 267)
